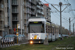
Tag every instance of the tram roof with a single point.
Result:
(37, 19)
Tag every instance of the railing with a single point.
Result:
(38, 11)
(14, 19)
(1, 27)
(38, 6)
(33, 13)
(29, 6)
(37, 0)
(1, 18)
(25, 17)
(14, 11)
(14, 26)
(27, 11)
(42, 8)
(7, 43)
(14, 3)
(32, 7)
(42, 13)
(25, 4)
(1, 7)
(26, 31)
(34, 2)
(29, 0)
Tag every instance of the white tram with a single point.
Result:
(36, 30)
(52, 32)
(39, 29)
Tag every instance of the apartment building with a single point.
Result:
(1, 17)
(15, 16)
(17, 12)
(39, 9)
(47, 12)
(32, 8)
(11, 14)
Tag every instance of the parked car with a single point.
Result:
(59, 36)
(21, 37)
(65, 35)
(9, 38)
(0, 37)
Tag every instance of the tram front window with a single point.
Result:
(36, 28)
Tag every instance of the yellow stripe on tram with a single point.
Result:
(35, 37)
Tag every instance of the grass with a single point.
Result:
(70, 42)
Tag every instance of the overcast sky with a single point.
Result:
(66, 14)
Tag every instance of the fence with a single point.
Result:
(4, 44)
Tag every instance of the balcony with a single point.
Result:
(25, 4)
(14, 11)
(28, 6)
(41, 8)
(38, 6)
(33, 2)
(15, 26)
(14, 19)
(39, 3)
(37, 0)
(33, 13)
(25, 17)
(28, 12)
(1, 27)
(42, 13)
(26, 31)
(29, 0)
(14, 4)
(25, 23)
(38, 16)
(1, 7)
(32, 7)
(1, 18)
(38, 11)
(24, 11)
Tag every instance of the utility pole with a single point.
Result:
(21, 17)
(60, 4)
(73, 28)
(60, 20)
(69, 26)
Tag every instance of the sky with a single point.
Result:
(69, 12)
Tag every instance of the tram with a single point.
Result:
(39, 29)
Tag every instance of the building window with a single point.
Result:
(14, 1)
(14, 9)
(1, 6)
(14, 25)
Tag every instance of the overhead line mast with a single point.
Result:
(60, 4)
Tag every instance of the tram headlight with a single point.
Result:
(31, 42)
(38, 37)
(30, 38)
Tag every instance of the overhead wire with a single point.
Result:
(70, 8)
(72, 13)
(57, 13)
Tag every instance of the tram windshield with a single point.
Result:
(36, 28)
